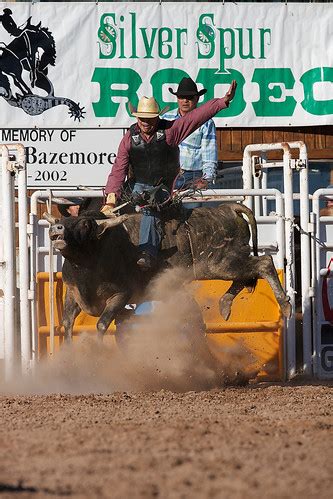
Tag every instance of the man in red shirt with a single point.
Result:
(150, 146)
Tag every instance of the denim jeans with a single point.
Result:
(151, 231)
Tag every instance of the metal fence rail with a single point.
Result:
(35, 253)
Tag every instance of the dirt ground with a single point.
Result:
(147, 417)
(272, 441)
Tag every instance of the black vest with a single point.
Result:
(154, 162)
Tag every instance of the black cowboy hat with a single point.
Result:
(187, 87)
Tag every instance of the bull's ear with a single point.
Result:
(50, 218)
(109, 223)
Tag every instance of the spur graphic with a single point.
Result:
(29, 56)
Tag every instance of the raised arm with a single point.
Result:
(185, 125)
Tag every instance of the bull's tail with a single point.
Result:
(242, 209)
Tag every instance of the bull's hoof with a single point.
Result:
(286, 309)
(225, 306)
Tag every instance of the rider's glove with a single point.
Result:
(108, 208)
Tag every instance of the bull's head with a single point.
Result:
(76, 232)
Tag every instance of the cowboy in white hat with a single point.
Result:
(150, 147)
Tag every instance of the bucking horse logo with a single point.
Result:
(32, 51)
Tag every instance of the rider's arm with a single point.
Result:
(185, 125)
(120, 167)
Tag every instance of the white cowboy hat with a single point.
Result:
(147, 108)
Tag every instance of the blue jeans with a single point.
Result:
(151, 231)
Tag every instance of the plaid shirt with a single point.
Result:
(199, 150)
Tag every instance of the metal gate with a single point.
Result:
(275, 231)
(248, 322)
(321, 287)
(14, 268)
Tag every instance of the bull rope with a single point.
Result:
(300, 230)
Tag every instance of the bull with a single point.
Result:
(100, 267)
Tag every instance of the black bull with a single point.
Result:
(102, 276)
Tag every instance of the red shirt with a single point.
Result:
(176, 132)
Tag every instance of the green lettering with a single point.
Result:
(106, 77)
(133, 35)
(249, 55)
(179, 32)
(148, 45)
(107, 35)
(122, 38)
(263, 31)
(166, 77)
(206, 36)
(316, 75)
(224, 53)
(270, 81)
(164, 43)
(209, 78)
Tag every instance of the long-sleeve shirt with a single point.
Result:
(175, 133)
(198, 152)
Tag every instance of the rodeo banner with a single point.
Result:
(81, 64)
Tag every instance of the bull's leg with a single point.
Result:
(113, 306)
(228, 297)
(264, 268)
(71, 311)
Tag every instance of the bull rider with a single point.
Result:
(150, 147)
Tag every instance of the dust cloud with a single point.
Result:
(165, 349)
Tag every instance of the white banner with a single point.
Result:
(66, 158)
(79, 64)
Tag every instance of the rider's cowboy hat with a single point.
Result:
(187, 88)
(147, 108)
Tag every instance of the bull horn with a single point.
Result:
(50, 218)
(110, 223)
